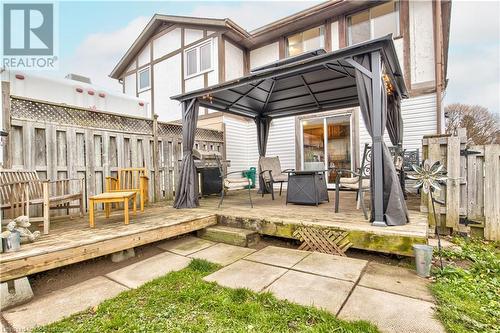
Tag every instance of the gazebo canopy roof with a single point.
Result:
(300, 85)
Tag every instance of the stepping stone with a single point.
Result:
(396, 280)
(62, 303)
(312, 290)
(230, 235)
(149, 269)
(390, 312)
(278, 256)
(246, 274)
(332, 266)
(186, 245)
(222, 254)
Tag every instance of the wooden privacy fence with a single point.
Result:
(472, 192)
(58, 141)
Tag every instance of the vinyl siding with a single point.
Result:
(419, 119)
(241, 143)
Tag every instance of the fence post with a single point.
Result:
(492, 192)
(453, 182)
(156, 160)
(6, 158)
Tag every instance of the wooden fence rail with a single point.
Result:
(472, 192)
(58, 142)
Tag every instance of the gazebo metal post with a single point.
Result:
(378, 172)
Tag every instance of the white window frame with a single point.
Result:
(322, 40)
(198, 59)
(139, 89)
(370, 21)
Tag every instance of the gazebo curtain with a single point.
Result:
(186, 193)
(263, 124)
(394, 120)
(394, 205)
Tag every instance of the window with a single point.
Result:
(198, 59)
(144, 79)
(304, 41)
(372, 23)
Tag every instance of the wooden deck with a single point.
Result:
(71, 240)
(275, 218)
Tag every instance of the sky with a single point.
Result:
(94, 35)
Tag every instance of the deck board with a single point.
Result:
(71, 240)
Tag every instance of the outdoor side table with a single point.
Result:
(107, 198)
(306, 187)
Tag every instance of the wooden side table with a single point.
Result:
(107, 199)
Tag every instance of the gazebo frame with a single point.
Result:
(367, 74)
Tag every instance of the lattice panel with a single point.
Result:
(323, 240)
(45, 112)
(64, 115)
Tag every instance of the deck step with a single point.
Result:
(230, 235)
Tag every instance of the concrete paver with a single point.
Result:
(308, 289)
(62, 303)
(332, 266)
(222, 254)
(185, 245)
(143, 271)
(278, 256)
(390, 312)
(396, 280)
(246, 274)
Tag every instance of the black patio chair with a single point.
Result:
(358, 181)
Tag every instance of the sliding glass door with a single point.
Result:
(327, 143)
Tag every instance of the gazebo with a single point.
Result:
(366, 74)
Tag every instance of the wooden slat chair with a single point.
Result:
(130, 179)
(20, 189)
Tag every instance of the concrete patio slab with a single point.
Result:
(222, 254)
(278, 256)
(308, 289)
(246, 274)
(396, 280)
(390, 312)
(332, 266)
(62, 303)
(186, 245)
(143, 271)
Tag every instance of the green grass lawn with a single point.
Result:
(468, 289)
(183, 302)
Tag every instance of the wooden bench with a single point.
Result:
(20, 189)
(130, 179)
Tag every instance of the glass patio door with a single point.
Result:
(338, 144)
(327, 142)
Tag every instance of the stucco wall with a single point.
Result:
(264, 55)
(421, 41)
(167, 82)
(234, 61)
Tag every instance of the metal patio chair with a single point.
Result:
(230, 184)
(359, 181)
(271, 173)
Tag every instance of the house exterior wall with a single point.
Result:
(264, 55)
(414, 47)
(165, 55)
(234, 61)
(422, 42)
